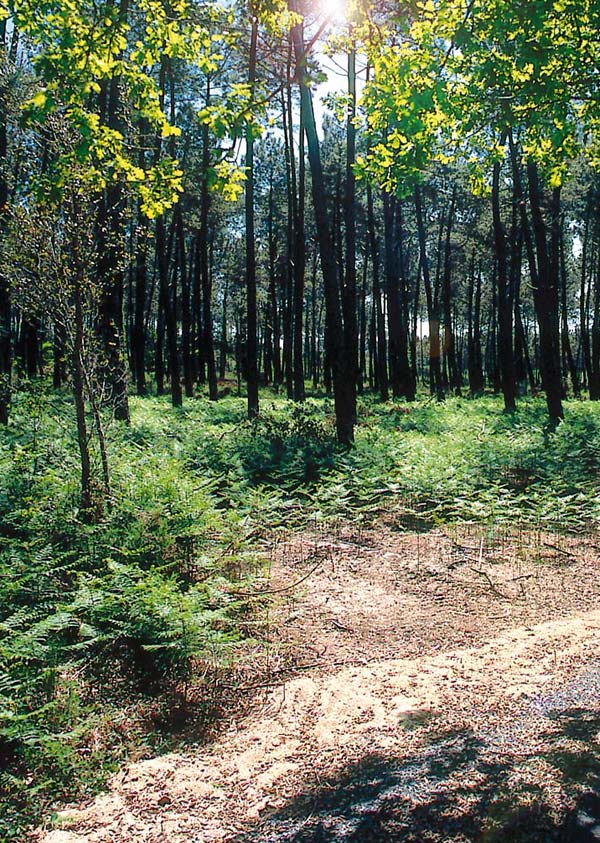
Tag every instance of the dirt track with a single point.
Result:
(446, 688)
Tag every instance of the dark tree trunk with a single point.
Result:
(5, 304)
(197, 328)
(314, 344)
(159, 357)
(203, 268)
(544, 280)
(435, 372)
(344, 390)
(251, 312)
(273, 299)
(27, 346)
(474, 361)
(401, 379)
(568, 356)
(139, 319)
(349, 285)
(299, 268)
(545, 295)
(381, 353)
(362, 346)
(504, 301)
(586, 351)
(78, 375)
(223, 343)
(594, 374)
(109, 323)
(287, 277)
(208, 344)
(59, 371)
(449, 337)
(186, 315)
(169, 311)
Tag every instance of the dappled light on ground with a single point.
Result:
(441, 686)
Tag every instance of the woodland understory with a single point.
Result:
(271, 271)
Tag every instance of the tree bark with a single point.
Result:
(545, 295)
(435, 372)
(504, 300)
(344, 390)
(251, 314)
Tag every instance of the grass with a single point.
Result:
(101, 625)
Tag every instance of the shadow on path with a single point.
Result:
(535, 779)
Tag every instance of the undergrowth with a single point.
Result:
(99, 621)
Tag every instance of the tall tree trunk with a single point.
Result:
(251, 313)
(186, 316)
(299, 266)
(5, 304)
(273, 299)
(381, 354)
(570, 366)
(398, 331)
(545, 295)
(111, 259)
(223, 343)
(139, 319)
(594, 376)
(317, 313)
(504, 300)
(203, 267)
(449, 336)
(583, 313)
(545, 290)
(78, 374)
(432, 306)
(362, 346)
(349, 285)
(474, 365)
(344, 391)
(159, 357)
(163, 253)
(287, 277)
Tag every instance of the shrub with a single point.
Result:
(286, 449)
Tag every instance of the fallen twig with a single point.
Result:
(276, 590)
(560, 550)
(490, 582)
(341, 626)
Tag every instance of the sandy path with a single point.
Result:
(316, 725)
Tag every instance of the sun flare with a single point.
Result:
(337, 10)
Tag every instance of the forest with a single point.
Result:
(299, 421)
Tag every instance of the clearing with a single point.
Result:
(439, 685)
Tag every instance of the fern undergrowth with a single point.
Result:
(98, 621)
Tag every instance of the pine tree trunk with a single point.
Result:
(380, 346)
(586, 351)
(569, 359)
(251, 312)
(349, 284)
(170, 318)
(5, 303)
(344, 391)
(110, 228)
(435, 373)
(504, 301)
(203, 267)
(299, 269)
(449, 337)
(545, 295)
(139, 316)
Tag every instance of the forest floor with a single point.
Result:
(435, 685)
